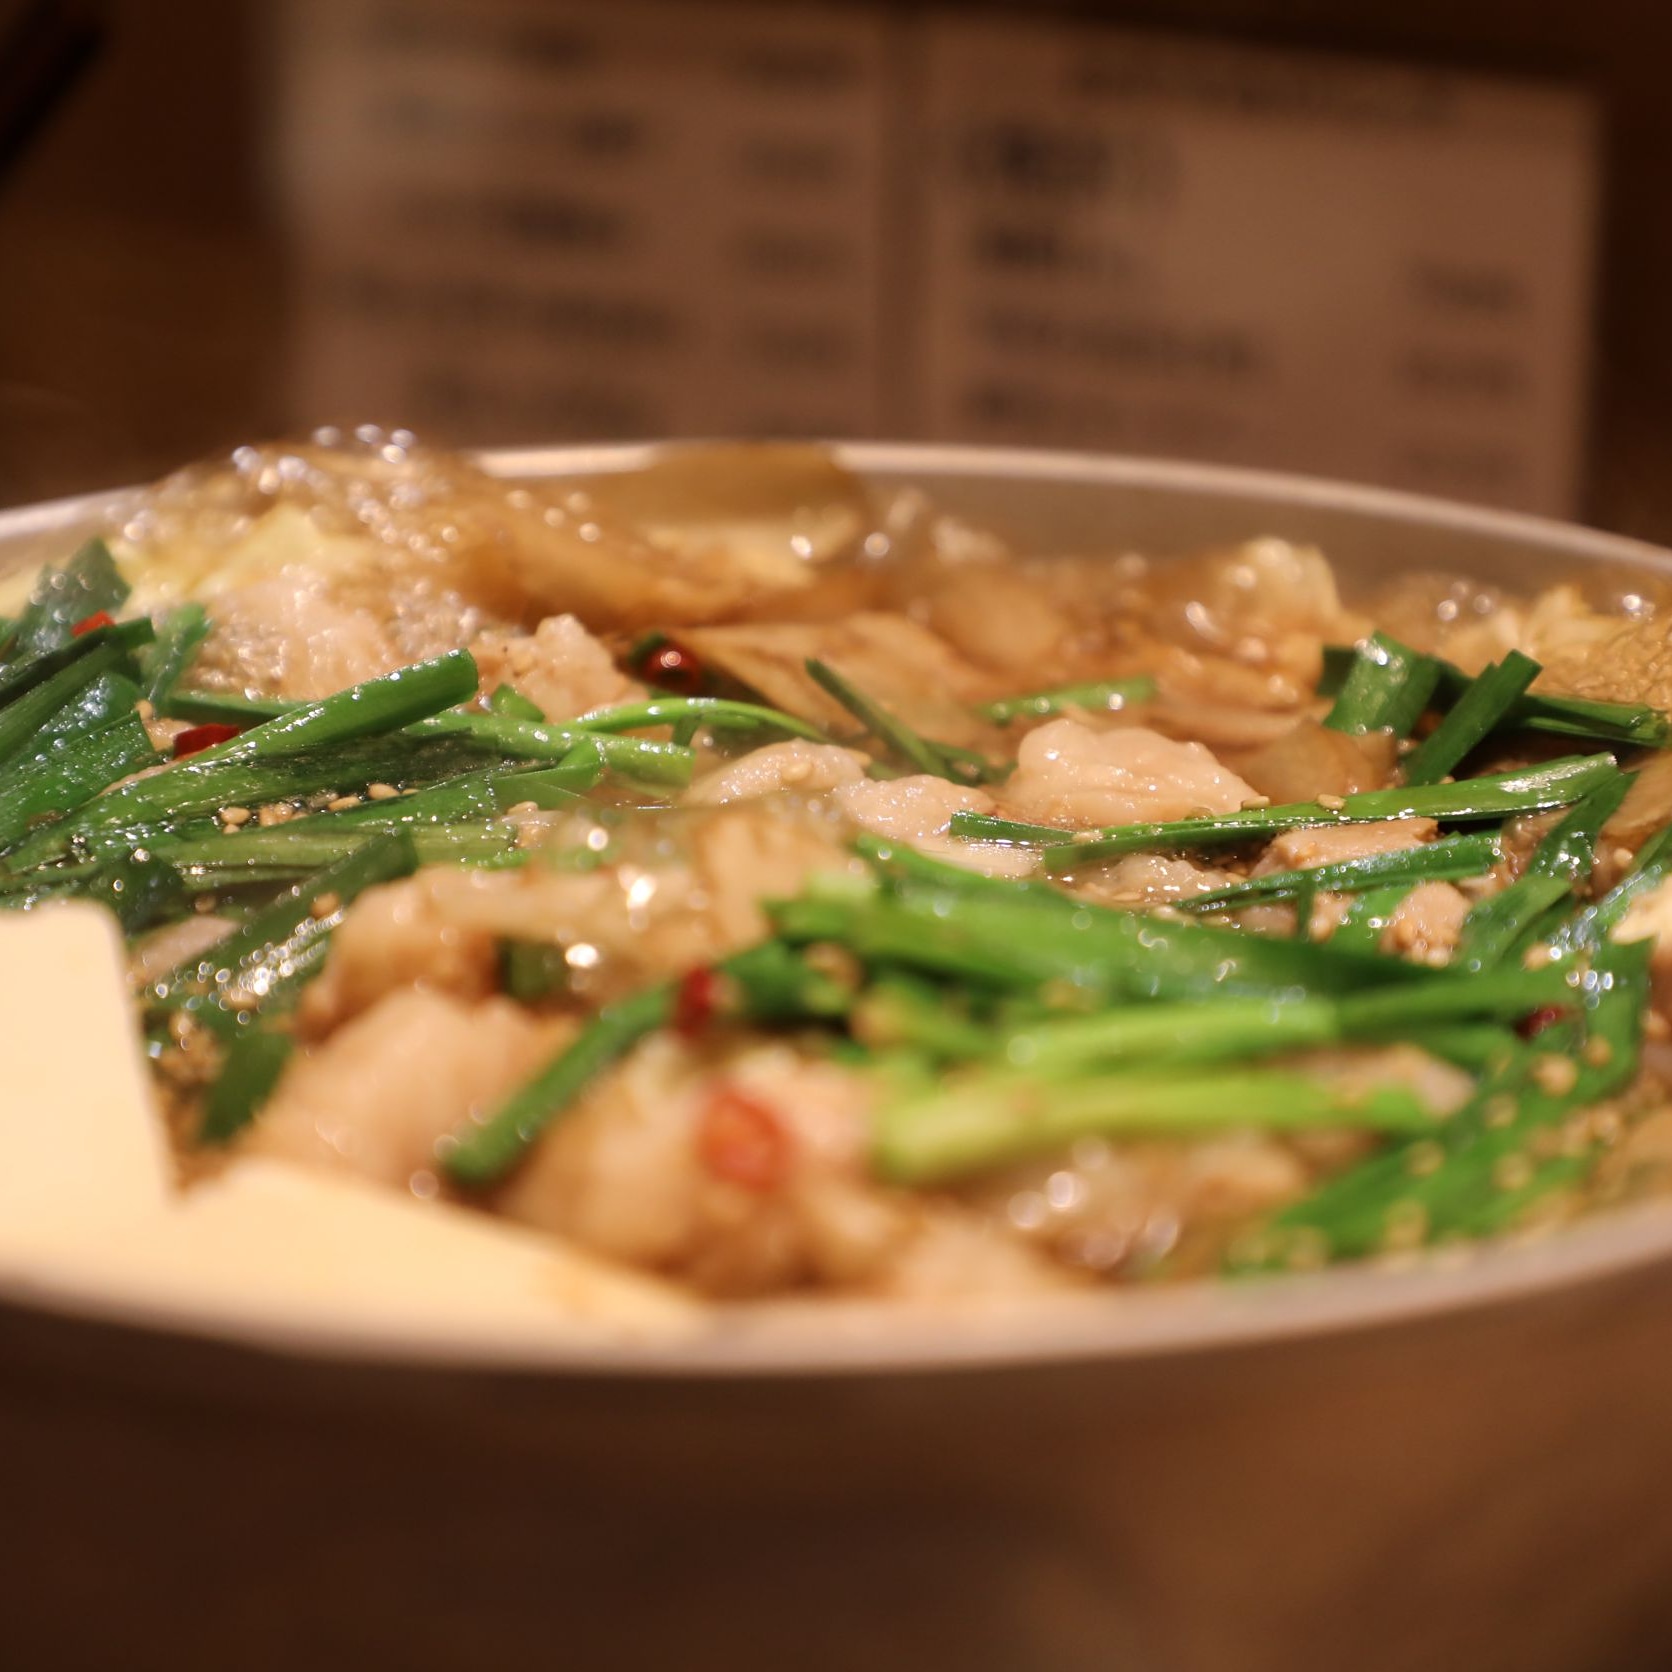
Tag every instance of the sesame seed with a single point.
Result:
(1255, 802)
(1546, 1143)
(1254, 1249)
(342, 803)
(232, 817)
(1333, 802)
(1656, 1027)
(270, 816)
(1512, 1172)
(1406, 1225)
(1424, 1158)
(1621, 857)
(522, 809)
(1556, 1075)
(1536, 957)
(325, 905)
(1499, 1110)
(1085, 835)
(382, 792)
(1307, 1249)
(145, 709)
(1598, 1053)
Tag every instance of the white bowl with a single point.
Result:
(1447, 1465)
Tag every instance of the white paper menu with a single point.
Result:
(1280, 259)
(586, 218)
(545, 219)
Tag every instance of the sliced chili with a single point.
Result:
(1536, 1021)
(741, 1139)
(695, 1001)
(669, 668)
(197, 738)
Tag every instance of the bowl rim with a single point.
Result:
(837, 1337)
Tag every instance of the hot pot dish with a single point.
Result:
(742, 883)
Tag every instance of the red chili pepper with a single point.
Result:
(740, 1139)
(672, 669)
(696, 1001)
(100, 618)
(197, 738)
(1535, 1022)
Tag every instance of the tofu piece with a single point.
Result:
(89, 1209)
(83, 1141)
(268, 1235)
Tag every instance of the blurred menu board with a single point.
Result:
(585, 218)
(612, 218)
(1291, 260)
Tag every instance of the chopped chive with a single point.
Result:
(772, 982)
(1608, 722)
(903, 1010)
(1478, 712)
(1386, 689)
(530, 971)
(302, 846)
(965, 1128)
(483, 1152)
(1099, 695)
(720, 713)
(1474, 1046)
(1030, 941)
(900, 860)
(1525, 790)
(1261, 1026)
(65, 778)
(1502, 922)
(1443, 861)
(632, 757)
(511, 704)
(988, 827)
(262, 966)
(182, 636)
(1605, 722)
(1463, 1189)
(370, 709)
(222, 708)
(936, 759)
(202, 785)
(1368, 917)
(1597, 921)
(88, 585)
(139, 888)
(28, 675)
(255, 1058)
(107, 699)
(56, 702)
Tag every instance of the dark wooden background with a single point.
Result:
(142, 266)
